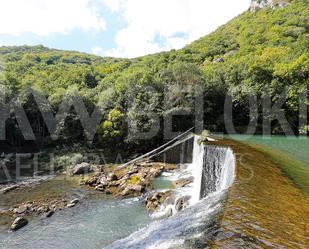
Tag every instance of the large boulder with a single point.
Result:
(132, 190)
(21, 209)
(182, 202)
(182, 182)
(155, 200)
(18, 223)
(80, 169)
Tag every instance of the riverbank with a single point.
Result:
(77, 184)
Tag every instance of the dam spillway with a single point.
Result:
(213, 169)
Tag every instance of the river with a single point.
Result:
(262, 208)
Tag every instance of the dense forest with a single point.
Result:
(263, 52)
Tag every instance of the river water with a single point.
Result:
(88, 225)
(263, 208)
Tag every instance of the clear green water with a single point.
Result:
(291, 154)
(162, 183)
(293, 146)
(88, 225)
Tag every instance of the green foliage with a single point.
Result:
(267, 48)
(112, 129)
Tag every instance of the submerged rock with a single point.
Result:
(18, 223)
(73, 203)
(49, 214)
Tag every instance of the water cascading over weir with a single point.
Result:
(218, 169)
(213, 169)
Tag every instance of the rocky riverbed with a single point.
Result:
(129, 181)
(22, 202)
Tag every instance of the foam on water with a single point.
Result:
(213, 169)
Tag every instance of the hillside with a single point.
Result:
(267, 47)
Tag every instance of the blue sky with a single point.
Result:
(120, 28)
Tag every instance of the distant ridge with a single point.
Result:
(259, 4)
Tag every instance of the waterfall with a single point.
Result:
(218, 169)
(196, 170)
(213, 169)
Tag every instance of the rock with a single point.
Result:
(103, 181)
(73, 203)
(42, 209)
(163, 214)
(132, 190)
(81, 169)
(38, 173)
(49, 214)
(230, 53)
(154, 172)
(260, 4)
(18, 224)
(112, 177)
(8, 189)
(155, 200)
(127, 181)
(170, 200)
(112, 190)
(100, 187)
(122, 182)
(181, 203)
(182, 182)
(21, 209)
(121, 172)
(169, 166)
(219, 60)
(91, 181)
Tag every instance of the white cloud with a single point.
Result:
(97, 50)
(113, 5)
(148, 19)
(44, 17)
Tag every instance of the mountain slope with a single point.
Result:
(268, 47)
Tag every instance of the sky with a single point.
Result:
(118, 28)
